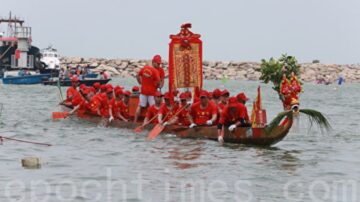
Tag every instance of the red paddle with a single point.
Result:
(139, 128)
(160, 127)
(60, 115)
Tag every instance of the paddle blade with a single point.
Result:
(155, 131)
(60, 115)
(138, 129)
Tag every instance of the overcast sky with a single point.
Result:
(239, 30)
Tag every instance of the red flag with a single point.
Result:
(17, 54)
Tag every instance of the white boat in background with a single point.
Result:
(50, 58)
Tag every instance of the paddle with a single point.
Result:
(60, 115)
(139, 128)
(160, 127)
(58, 85)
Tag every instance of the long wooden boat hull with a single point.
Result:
(247, 136)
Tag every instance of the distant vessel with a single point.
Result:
(19, 60)
(50, 58)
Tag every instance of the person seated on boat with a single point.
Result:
(135, 90)
(149, 79)
(124, 107)
(167, 111)
(116, 104)
(97, 85)
(71, 91)
(203, 112)
(156, 63)
(232, 116)
(27, 72)
(223, 100)
(216, 96)
(21, 72)
(183, 116)
(106, 97)
(103, 88)
(242, 99)
(81, 101)
(104, 75)
(153, 111)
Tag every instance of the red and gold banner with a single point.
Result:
(185, 60)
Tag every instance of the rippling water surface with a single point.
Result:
(92, 163)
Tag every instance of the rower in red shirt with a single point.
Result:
(97, 85)
(183, 117)
(216, 96)
(81, 102)
(105, 99)
(242, 99)
(149, 79)
(72, 91)
(167, 111)
(153, 110)
(223, 100)
(124, 108)
(203, 112)
(232, 116)
(116, 104)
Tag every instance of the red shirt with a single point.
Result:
(95, 103)
(151, 112)
(124, 110)
(200, 115)
(221, 105)
(183, 118)
(161, 72)
(149, 80)
(166, 112)
(230, 118)
(104, 107)
(70, 93)
(245, 111)
(115, 105)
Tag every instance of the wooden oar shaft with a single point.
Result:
(8, 138)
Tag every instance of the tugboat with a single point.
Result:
(19, 60)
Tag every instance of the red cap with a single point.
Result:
(86, 91)
(210, 95)
(233, 102)
(135, 89)
(167, 95)
(184, 96)
(242, 96)
(82, 86)
(225, 92)
(92, 89)
(103, 87)
(118, 91)
(217, 93)
(109, 90)
(97, 85)
(127, 93)
(74, 79)
(157, 94)
(157, 59)
(188, 94)
(204, 94)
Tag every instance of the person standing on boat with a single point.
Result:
(156, 63)
(167, 111)
(104, 75)
(153, 110)
(231, 117)
(203, 112)
(149, 79)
